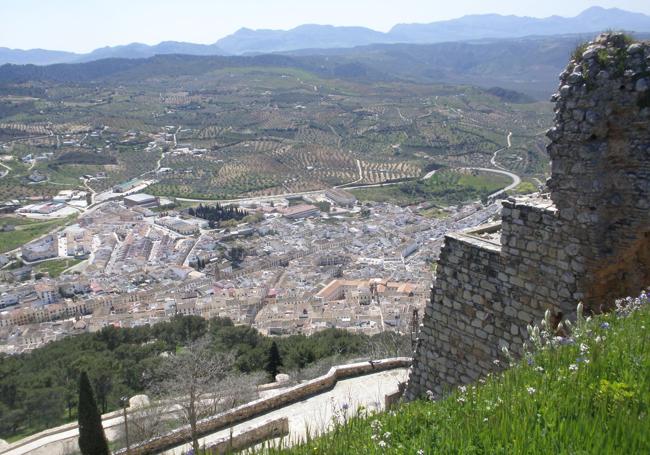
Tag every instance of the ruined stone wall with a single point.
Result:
(589, 240)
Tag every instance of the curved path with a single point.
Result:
(314, 413)
(516, 180)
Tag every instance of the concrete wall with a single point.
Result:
(589, 240)
(250, 436)
(264, 405)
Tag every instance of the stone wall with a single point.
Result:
(589, 240)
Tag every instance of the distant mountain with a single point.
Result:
(247, 41)
(34, 56)
(131, 51)
(139, 50)
(467, 28)
(473, 27)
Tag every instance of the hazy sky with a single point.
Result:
(83, 25)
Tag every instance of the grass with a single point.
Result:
(26, 231)
(56, 267)
(588, 394)
(444, 187)
(524, 188)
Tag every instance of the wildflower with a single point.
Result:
(604, 325)
(462, 389)
(382, 444)
(582, 360)
(573, 367)
(420, 452)
(344, 406)
(374, 437)
(485, 419)
(387, 434)
(539, 369)
(461, 399)
(531, 390)
(583, 348)
(430, 396)
(496, 361)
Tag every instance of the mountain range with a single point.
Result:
(247, 41)
(528, 65)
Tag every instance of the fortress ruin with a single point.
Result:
(587, 240)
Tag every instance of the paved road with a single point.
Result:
(316, 413)
(516, 180)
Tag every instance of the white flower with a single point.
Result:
(461, 399)
(462, 389)
(387, 434)
(382, 444)
(530, 390)
(420, 452)
(539, 369)
(583, 348)
(573, 367)
(485, 419)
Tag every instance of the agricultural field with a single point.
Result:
(446, 187)
(25, 231)
(253, 131)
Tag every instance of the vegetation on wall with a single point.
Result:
(585, 393)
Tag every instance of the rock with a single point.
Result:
(635, 48)
(3, 444)
(641, 85)
(282, 378)
(592, 117)
(575, 78)
(602, 75)
(139, 401)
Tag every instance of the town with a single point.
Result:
(286, 267)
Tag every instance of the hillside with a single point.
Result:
(528, 65)
(587, 393)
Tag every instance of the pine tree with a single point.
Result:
(274, 361)
(92, 440)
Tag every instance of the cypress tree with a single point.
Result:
(274, 362)
(92, 440)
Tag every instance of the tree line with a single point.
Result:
(215, 214)
(39, 389)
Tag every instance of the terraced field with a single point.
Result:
(261, 131)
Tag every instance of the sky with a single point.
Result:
(84, 25)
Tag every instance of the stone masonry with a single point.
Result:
(588, 240)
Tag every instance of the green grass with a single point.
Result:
(524, 188)
(55, 267)
(588, 397)
(26, 231)
(444, 187)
